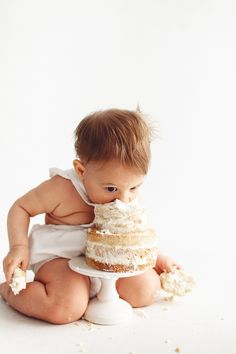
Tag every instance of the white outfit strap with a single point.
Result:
(72, 176)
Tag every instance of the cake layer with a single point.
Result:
(118, 267)
(147, 237)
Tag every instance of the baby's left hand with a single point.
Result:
(165, 264)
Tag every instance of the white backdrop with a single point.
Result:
(60, 60)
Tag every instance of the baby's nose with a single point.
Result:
(124, 197)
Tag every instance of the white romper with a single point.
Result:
(51, 241)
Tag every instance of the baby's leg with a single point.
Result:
(57, 295)
(139, 290)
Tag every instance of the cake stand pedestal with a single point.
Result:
(107, 308)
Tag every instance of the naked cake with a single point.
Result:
(120, 240)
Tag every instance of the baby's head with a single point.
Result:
(113, 147)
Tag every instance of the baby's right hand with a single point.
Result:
(18, 256)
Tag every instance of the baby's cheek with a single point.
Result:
(100, 198)
(135, 195)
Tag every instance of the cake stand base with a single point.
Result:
(108, 313)
(107, 308)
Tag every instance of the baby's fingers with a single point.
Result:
(24, 265)
(8, 268)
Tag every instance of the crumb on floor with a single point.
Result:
(141, 313)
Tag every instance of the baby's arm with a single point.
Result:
(42, 199)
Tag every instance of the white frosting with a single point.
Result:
(18, 281)
(120, 255)
(119, 218)
(177, 282)
(92, 244)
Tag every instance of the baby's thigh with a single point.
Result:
(66, 289)
(139, 290)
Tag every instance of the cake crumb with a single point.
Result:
(165, 309)
(169, 298)
(141, 313)
(177, 350)
(81, 347)
(85, 325)
(90, 326)
(167, 341)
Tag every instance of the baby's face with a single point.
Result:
(107, 181)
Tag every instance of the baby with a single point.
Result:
(113, 155)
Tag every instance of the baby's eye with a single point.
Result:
(111, 189)
(136, 187)
(133, 188)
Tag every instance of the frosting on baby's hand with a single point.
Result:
(177, 282)
(18, 281)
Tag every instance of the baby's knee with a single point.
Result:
(140, 290)
(147, 290)
(61, 312)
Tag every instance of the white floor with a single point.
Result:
(202, 322)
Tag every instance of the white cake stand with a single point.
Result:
(107, 308)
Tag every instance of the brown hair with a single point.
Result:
(115, 134)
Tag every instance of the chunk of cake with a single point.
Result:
(120, 240)
(177, 282)
(18, 281)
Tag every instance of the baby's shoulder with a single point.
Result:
(59, 190)
(61, 184)
(67, 195)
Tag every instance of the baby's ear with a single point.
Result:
(79, 168)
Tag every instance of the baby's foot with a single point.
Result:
(4, 290)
